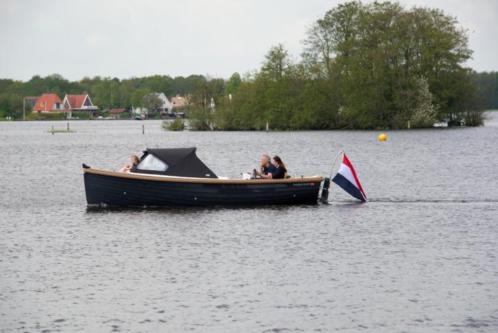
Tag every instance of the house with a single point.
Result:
(78, 103)
(165, 106)
(48, 103)
(179, 102)
(119, 113)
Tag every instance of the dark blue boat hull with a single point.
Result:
(107, 190)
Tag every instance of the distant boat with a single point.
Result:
(441, 124)
(177, 177)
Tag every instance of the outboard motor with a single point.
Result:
(324, 197)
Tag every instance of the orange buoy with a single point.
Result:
(382, 137)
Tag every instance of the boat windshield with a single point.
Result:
(152, 163)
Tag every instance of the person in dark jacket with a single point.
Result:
(280, 169)
(276, 169)
(266, 168)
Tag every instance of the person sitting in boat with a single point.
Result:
(132, 162)
(275, 170)
(280, 169)
(265, 167)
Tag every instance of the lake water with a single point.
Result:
(420, 256)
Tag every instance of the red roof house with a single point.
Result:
(48, 103)
(78, 103)
(179, 101)
(116, 113)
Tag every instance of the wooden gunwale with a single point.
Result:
(194, 180)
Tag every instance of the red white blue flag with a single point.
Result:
(348, 179)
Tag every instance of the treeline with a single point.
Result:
(486, 85)
(363, 66)
(106, 93)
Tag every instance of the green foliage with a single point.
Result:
(106, 93)
(422, 110)
(82, 115)
(175, 125)
(138, 97)
(380, 52)
(473, 118)
(276, 63)
(46, 116)
(151, 102)
(233, 84)
(200, 119)
(364, 66)
(486, 84)
(11, 105)
(206, 97)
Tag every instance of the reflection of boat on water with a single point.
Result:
(177, 177)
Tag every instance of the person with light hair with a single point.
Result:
(265, 168)
(132, 162)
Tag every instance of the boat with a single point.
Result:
(177, 177)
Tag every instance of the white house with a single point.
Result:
(166, 105)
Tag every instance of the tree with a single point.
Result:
(137, 98)
(486, 89)
(332, 36)
(200, 112)
(379, 52)
(276, 63)
(151, 102)
(11, 105)
(233, 84)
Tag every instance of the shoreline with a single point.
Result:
(487, 112)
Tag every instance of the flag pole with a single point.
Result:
(324, 192)
(335, 160)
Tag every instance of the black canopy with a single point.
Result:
(181, 162)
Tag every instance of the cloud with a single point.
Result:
(143, 37)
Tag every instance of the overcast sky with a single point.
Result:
(125, 38)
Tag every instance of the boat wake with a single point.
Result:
(423, 201)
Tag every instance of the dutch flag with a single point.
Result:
(347, 179)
